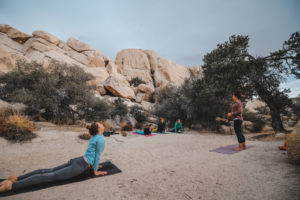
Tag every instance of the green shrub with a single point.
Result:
(195, 102)
(136, 82)
(94, 109)
(257, 120)
(138, 113)
(120, 108)
(52, 93)
(170, 104)
(263, 110)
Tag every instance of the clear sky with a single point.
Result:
(180, 30)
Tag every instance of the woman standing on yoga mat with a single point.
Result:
(237, 116)
(74, 167)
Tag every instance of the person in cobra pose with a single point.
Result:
(90, 160)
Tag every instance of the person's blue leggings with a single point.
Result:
(68, 170)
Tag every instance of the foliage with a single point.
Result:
(120, 108)
(230, 67)
(126, 126)
(171, 104)
(16, 128)
(257, 120)
(94, 109)
(263, 110)
(136, 81)
(138, 113)
(196, 101)
(57, 93)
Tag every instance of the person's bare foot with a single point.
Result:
(7, 186)
(101, 173)
(2, 182)
(11, 178)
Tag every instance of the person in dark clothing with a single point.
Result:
(161, 127)
(237, 116)
(148, 130)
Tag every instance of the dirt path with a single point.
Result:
(163, 167)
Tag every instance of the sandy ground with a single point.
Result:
(170, 166)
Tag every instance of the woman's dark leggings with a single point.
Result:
(68, 170)
(238, 130)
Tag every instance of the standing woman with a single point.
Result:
(237, 116)
(74, 167)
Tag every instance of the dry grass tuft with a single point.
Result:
(126, 126)
(16, 128)
(85, 136)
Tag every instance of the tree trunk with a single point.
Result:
(275, 113)
(276, 119)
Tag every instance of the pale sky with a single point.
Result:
(180, 30)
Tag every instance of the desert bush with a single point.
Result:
(85, 136)
(16, 128)
(139, 125)
(136, 81)
(52, 92)
(257, 120)
(107, 126)
(94, 109)
(195, 102)
(120, 108)
(138, 113)
(263, 110)
(171, 104)
(126, 126)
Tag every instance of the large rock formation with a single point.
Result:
(14, 34)
(134, 63)
(7, 62)
(168, 71)
(119, 86)
(110, 77)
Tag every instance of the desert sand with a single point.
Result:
(171, 166)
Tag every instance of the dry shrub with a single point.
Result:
(85, 136)
(126, 126)
(139, 125)
(16, 128)
(124, 133)
(107, 126)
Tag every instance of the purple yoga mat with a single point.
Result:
(229, 149)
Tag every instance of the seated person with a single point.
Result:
(178, 126)
(148, 129)
(161, 125)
